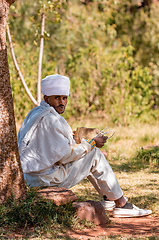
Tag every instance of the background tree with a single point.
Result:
(11, 177)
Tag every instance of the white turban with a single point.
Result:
(55, 85)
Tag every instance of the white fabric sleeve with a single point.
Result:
(76, 152)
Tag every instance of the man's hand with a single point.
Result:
(74, 134)
(100, 141)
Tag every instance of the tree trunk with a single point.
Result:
(11, 177)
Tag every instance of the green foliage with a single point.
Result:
(120, 88)
(34, 211)
(138, 26)
(147, 158)
(108, 49)
(25, 20)
(141, 159)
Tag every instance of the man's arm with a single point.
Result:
(76, 152)
(79, 150)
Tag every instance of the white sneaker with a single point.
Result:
(135, 212)
(110, 205)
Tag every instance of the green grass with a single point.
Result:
(148, 158)
(34, 212)
(34, 216)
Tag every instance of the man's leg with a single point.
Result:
(104, 177)
(107, 203)
(94, 166)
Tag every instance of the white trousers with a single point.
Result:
(93, 165)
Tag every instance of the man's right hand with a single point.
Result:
(100, 141)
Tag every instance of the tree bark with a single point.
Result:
(11, 177)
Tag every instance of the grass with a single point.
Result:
(35, 216)
(34, 213)
(136, 170)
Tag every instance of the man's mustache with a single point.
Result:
(61, 105)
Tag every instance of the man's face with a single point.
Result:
(58, 102)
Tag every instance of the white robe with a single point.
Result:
(44, 138)
(50, 156)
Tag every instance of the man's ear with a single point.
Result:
(46, 98)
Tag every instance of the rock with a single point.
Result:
(58, 195)
(92, 211)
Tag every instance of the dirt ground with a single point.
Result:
(133, 227)
(128, 227)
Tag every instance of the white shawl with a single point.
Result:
(43, 138)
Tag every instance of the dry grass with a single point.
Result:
(141, 185)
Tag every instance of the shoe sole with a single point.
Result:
(132, 215)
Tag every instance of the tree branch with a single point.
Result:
(40, 59)
(18, 69)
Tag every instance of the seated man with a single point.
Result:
(50, 156)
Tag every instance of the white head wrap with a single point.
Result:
(55, 85)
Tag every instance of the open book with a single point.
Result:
(83, 132)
